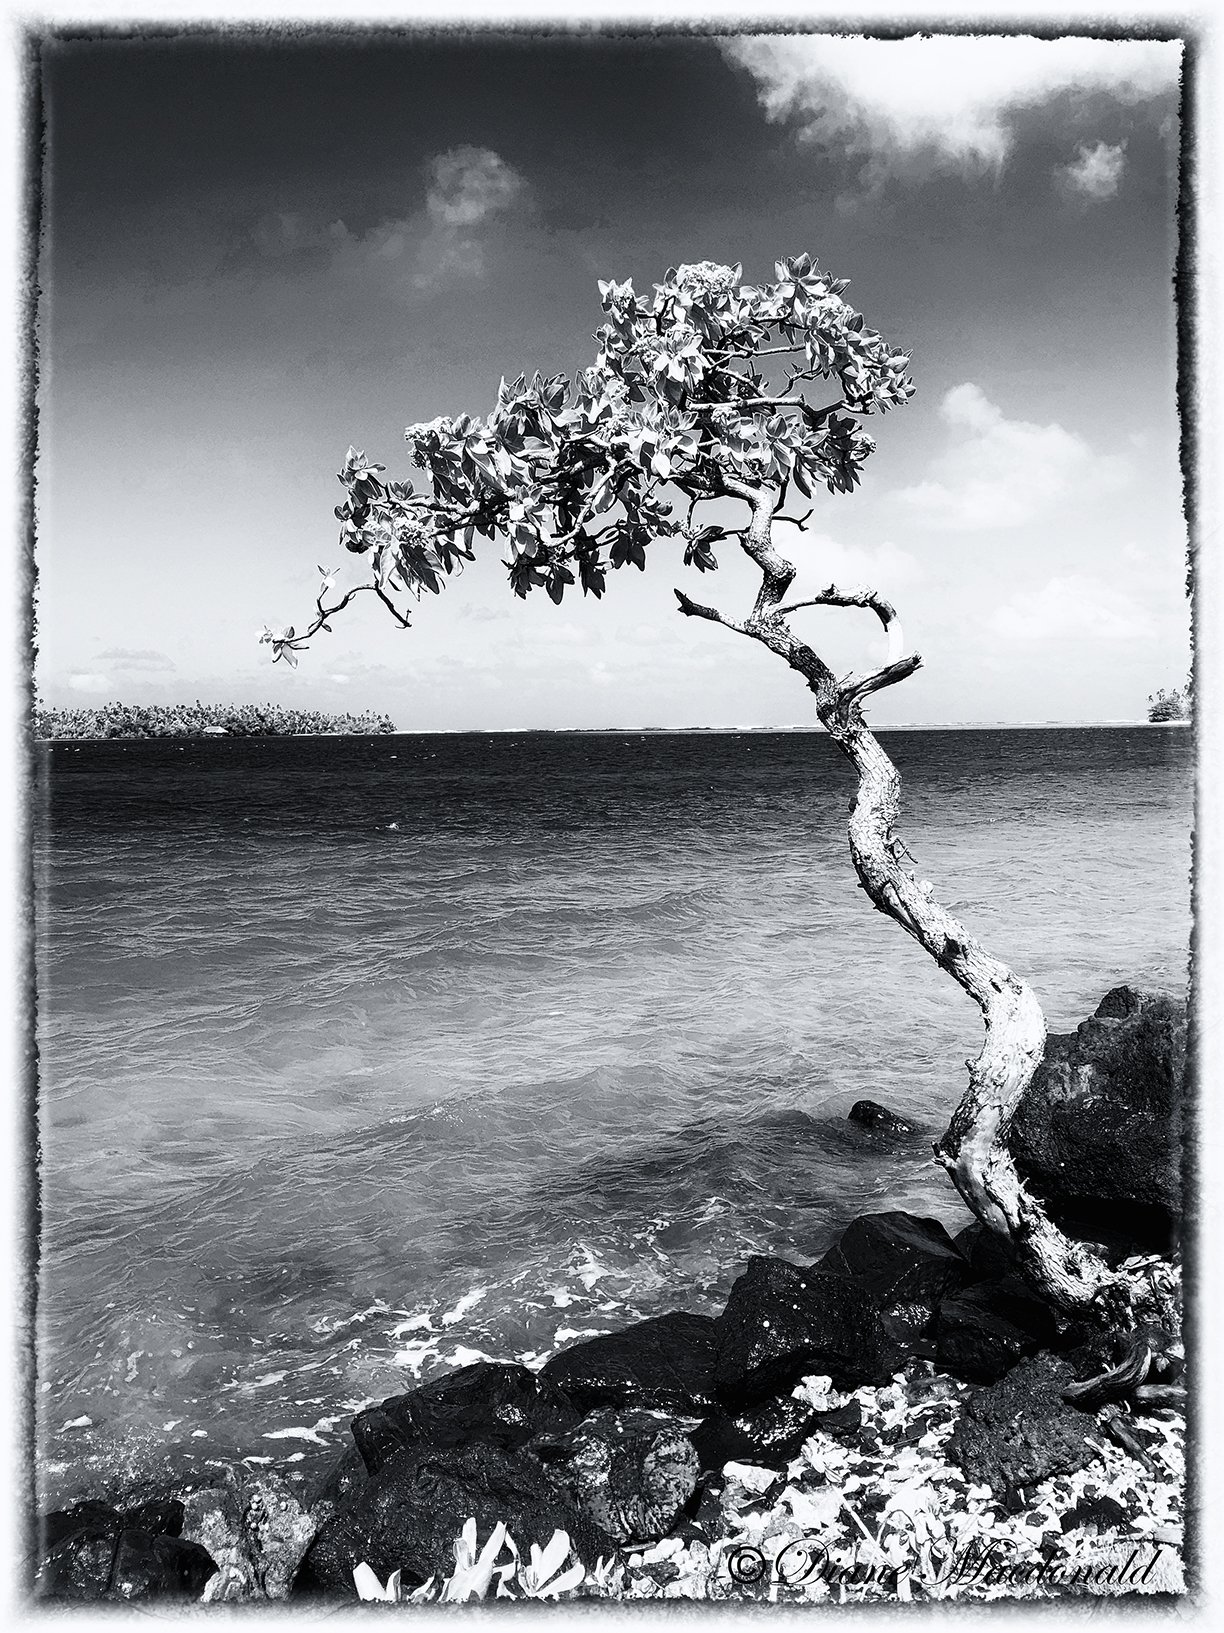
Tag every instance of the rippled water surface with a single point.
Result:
(364, 1057)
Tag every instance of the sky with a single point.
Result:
(259, 250)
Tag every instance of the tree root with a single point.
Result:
(1149, 1357)
(1115, 1383)
(1119, 1432)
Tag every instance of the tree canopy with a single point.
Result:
(696, 394)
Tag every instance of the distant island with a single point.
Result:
(1165, 707)
(201, 720)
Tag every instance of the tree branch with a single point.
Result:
(693, 609)
(774, 402)
(400, 618)
(833, 597)
(880, 678)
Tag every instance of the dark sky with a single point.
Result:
(250, 262)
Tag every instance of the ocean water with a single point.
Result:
(364, 1057)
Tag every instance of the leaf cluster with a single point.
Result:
(697, 392)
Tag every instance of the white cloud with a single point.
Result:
(85, 681)
(822, 560)
(945, 101)
(1001, 473)
(1076, 607)
(468, 185)
(467, 188)
(285, 232)
(125, 658)
(566, 634)
(1096, 172)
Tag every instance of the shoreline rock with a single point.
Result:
(879, 1119)
(1097, 1134)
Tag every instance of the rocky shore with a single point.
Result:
(894, 1420)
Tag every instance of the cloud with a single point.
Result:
(1076, 607)
(823, 560)
(467, 186)
(85, 681)
(1002, 473)
(286, 232)
(1096, 173)
(125, 658)
(943, 102)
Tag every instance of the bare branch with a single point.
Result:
(328, 612)
(400, 618)
(693, 609)
(833, 597)
(775, 402)
(876, 682)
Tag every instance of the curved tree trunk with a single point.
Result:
(974, 1150)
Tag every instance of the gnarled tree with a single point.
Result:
(700, 394)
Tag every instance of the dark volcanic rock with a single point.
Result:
(871, 1114)
(1103, 1513)
(344, 1477)
(665, 1364)
(408, 1515)
(989, 1255)
(63, 1522)
(842, 1422)
(1099, 1126)
(1019, 1432)
(106, 1559)
(149, 1566)
(497, 1402)
(985, 1328)
(974, 1341)
(768, 1435)
(1119, 1004)
(78, 1566)
(1018, 1302)
(162, 1517)
(782, 1322)
(632, 1471)
(907, 1262)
